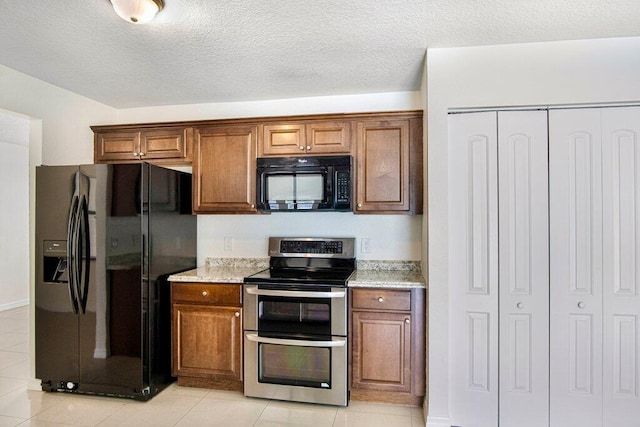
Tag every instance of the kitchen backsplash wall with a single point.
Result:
(391, 237)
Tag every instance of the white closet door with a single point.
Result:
(575, 208)
(473, 269)
(621, 265)
(524, 268)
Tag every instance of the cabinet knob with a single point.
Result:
(205, 293)
(301, 147)
(359, 205)
(520, 305)
(580, 304)
(380, 300)
(237, 314)
(253, 206)
(407, 321)
(136, 154)
(308, 148)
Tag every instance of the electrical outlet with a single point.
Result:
(228, 244)
(365, 245)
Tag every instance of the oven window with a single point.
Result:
(295, 187)
(293, 365)
(294, 315)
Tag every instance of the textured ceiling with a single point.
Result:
(199, 51)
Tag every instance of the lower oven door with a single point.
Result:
(296, 369)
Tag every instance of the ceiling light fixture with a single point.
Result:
(137, 11)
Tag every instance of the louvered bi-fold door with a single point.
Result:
(524, 268)
(473, 272)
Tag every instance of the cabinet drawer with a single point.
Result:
(203, 293)
(381, 299)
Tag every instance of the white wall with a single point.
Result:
(393, 237)
(571, 72)
(59, 133)
(14, 210)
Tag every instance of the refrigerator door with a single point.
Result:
(110, 323)
(56, 299)
(170, 247)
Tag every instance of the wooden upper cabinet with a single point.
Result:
(162, 145)
(389, 166)
(224, 169)
(321, 137)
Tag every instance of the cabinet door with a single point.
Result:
(329, 138)
(382, 166)
(283, 139)
(575, 213)
(381, 367)
(110, 146)
(224, 169)
(164, 144)
(524, 268)
(621, 258)
(473, 268)
(206, 341)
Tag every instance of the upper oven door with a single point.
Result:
(284, 310)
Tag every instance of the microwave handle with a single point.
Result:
(337, 342)
(294, 294)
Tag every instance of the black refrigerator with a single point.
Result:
(107, 238)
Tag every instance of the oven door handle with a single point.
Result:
(338, 342)
(295, 294)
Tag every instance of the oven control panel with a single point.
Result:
(310, 247)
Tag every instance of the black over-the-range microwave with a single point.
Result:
(313, 183)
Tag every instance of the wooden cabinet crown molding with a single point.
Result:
(382, 115)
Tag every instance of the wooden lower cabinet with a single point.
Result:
(207, 332)
(388, 354)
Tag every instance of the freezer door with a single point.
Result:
(56, 300)
(111, 319)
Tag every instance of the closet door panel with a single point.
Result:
(473, 269)
(524, 268)
(575, 212)
(621, 265)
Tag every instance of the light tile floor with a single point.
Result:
(175, 406)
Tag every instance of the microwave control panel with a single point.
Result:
(343, 187)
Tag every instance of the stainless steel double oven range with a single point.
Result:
(295, 321)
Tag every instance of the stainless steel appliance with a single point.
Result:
(311, 183)
(295, 321)
(107, 237)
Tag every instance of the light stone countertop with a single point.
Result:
(369, 274)
(222, 270)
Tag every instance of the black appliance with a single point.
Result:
(107, 237)
(311, 183)
(295, 321)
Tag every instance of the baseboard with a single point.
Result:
(12, 305)
(438, 422)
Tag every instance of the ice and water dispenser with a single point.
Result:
(55, 261)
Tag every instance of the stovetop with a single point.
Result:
(308, 261)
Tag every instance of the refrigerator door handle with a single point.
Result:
(71, 253)
(84, 255)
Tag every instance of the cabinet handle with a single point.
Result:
(359, 205)
(237, 314)
(380, 300)
(253, 206)
(580, 304)
(519, 305)
(205, 293)
(301, 147)
(308, 148)
(407, 321)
